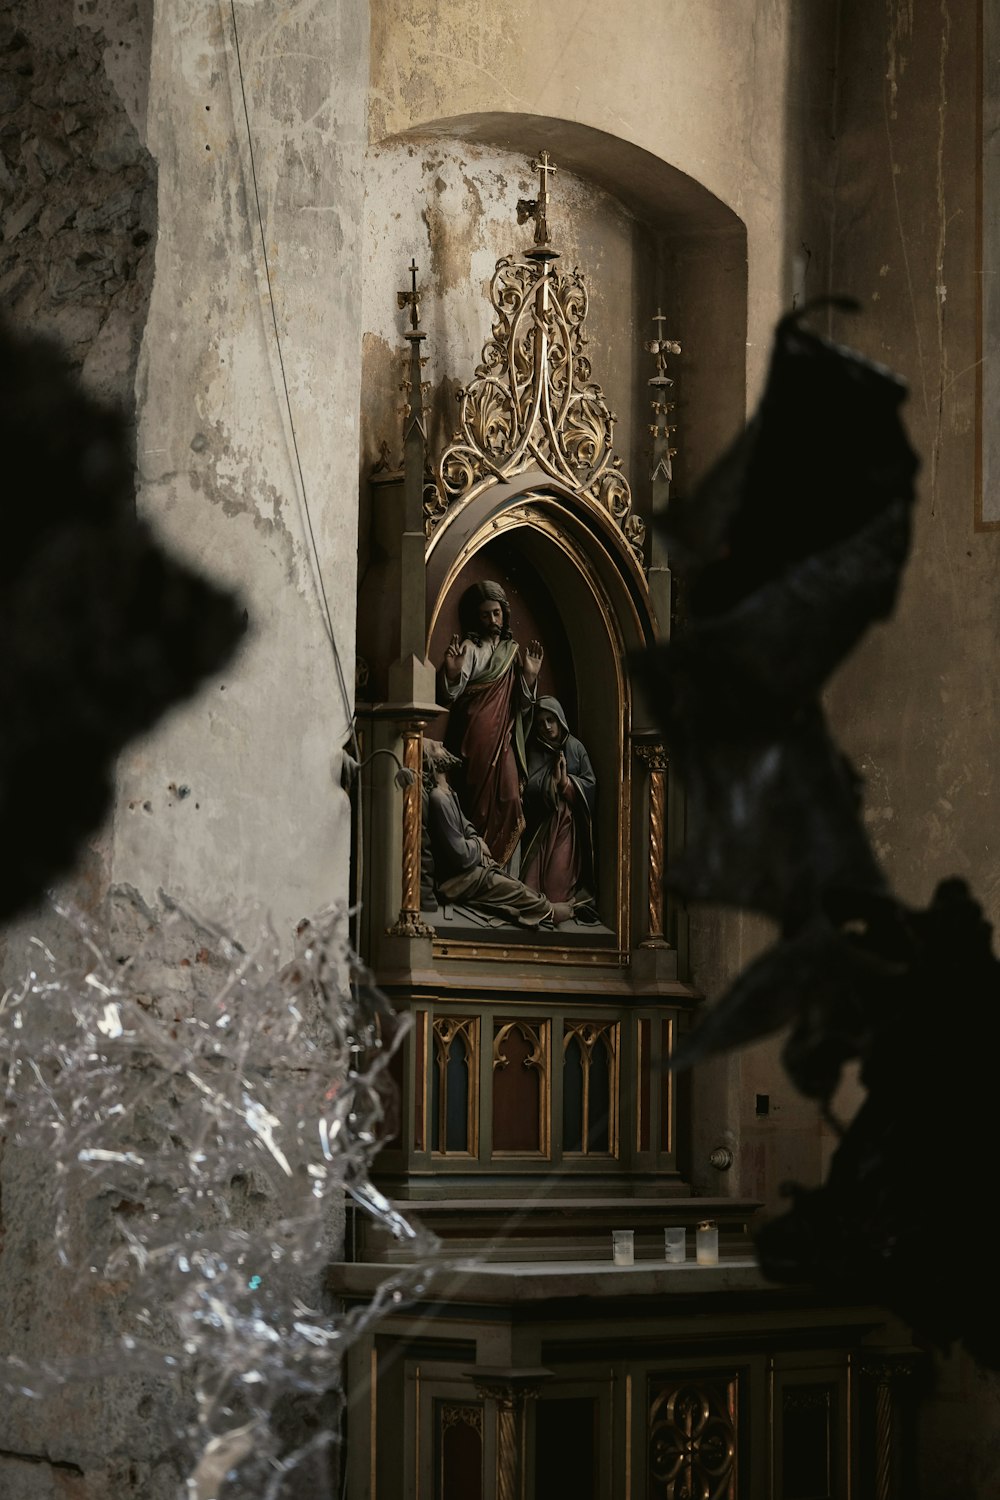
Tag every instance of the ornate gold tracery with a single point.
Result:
(533, 402)
(589, 1035)
(445, 1030)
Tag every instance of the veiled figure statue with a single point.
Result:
(559, 800)
(491, 691)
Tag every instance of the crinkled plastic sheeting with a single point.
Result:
(225, 1104)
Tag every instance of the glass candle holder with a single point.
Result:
(707, 1244)
(623, 1246)
(675, 1245)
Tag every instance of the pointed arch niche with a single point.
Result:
(577, 589)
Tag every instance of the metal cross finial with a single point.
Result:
(661, 347)
(543, 167)
(538, 208)
(411, 299)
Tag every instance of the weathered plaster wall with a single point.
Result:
(264, 820)
(705, 88)
(918, 706)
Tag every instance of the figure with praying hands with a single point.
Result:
(559, 801)
(490, 687)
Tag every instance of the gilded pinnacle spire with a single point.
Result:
(661, 347)
(411, 299)
(413, 410)
(660, 428)
(538, 209)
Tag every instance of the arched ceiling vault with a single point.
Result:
(654, 191)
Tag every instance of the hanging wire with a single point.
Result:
(328, 622)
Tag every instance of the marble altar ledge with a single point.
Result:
(542, 1281)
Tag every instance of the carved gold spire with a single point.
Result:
(661, 472)
(413, 384)
(532, 402)
(411, 299)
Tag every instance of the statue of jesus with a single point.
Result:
(491, 690)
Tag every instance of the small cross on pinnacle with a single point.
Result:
(543, 166)
(661, 347)
(538, 208)
(411, 299)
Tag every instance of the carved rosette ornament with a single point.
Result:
(532, 402)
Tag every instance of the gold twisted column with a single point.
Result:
(654, 756)
(409, 922)
(511, 1390)
(887, 1375)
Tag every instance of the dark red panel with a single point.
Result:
(516, 1097)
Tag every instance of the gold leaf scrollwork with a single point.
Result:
(533, 403)
(467, 1416)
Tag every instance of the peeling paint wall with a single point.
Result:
(233, 427)
(452, 207)
(704, 87)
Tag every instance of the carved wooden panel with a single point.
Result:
(666, 1088)
(521, 1088)
(420, 1082)
(644, 1041)
(459, 1468)
(454, 1085)
(566, 1448)
(808, 1441)
(590, 1088)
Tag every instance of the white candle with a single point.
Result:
(707, 1244)
(623, 1246)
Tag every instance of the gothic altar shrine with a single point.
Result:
(514, 820)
